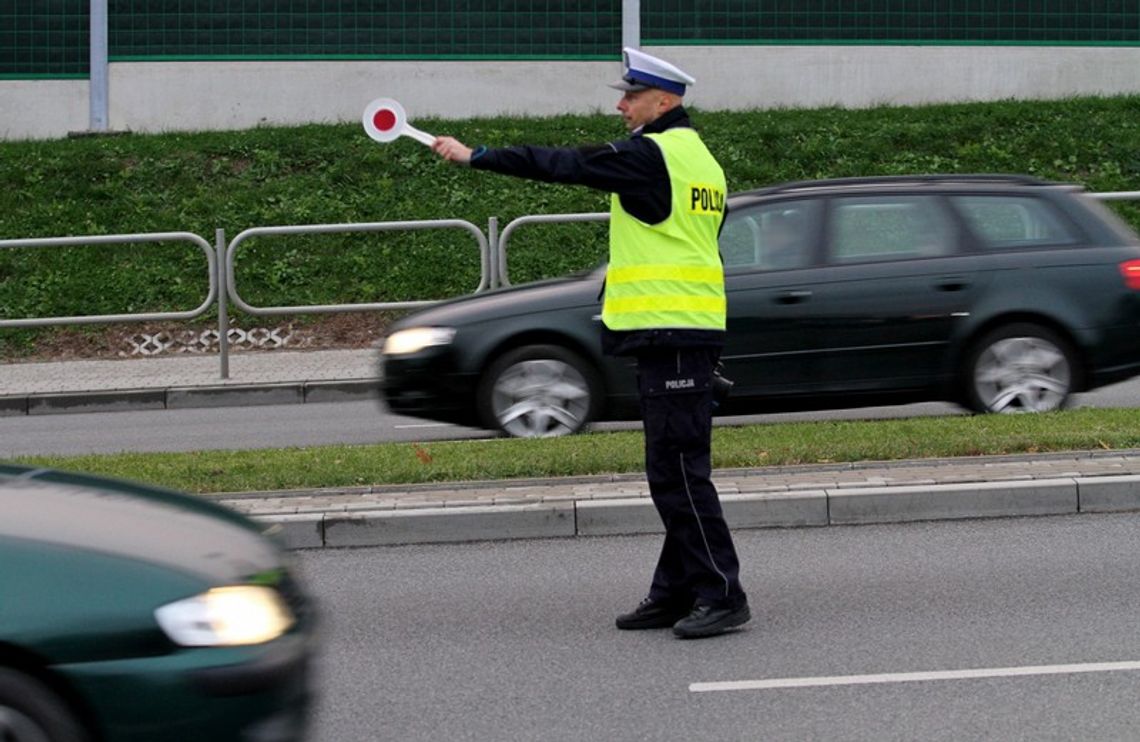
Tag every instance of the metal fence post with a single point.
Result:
(631, 23)
(98, 84)
(223, 308)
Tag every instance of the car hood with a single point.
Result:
(109, 517)
(555, 294)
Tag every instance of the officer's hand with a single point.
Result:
(452, 149)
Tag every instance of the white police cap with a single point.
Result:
(641, 71)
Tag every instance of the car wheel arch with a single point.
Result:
(29, 664)
(1043, 327)
(968, 342)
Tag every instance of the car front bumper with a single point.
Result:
(427, 384)
(244, 694)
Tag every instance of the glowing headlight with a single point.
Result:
(226, 617)
(416, 339)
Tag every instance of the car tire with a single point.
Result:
(1020, 367)
(31, 712)
(538, 391)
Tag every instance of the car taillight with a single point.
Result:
(1130, 269)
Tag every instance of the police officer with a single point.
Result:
(664, 303)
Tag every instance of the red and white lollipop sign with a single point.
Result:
(385, 121)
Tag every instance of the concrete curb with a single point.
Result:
(1109, 494)
(628, 516)
(440, 525)
(948, 501)
(173, 398)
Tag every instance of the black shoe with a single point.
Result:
(652, 614)
(706, 620)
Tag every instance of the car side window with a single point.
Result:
(877, 228)
(1004, 222)
(775, 236)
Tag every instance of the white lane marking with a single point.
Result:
(911, 677)
(420, 425)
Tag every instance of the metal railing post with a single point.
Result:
(1117, 196)
(493, 251)
(223, 307)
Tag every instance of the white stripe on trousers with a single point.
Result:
(700, 526)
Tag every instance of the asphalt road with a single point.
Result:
(281, 426)
(514, 640)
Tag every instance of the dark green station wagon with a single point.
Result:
(134, 613)
(1000, 293)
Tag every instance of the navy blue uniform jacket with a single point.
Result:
(632, 168)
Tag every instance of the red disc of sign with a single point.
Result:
(384, 120)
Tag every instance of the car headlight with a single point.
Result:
(416, 339)
(226, 617)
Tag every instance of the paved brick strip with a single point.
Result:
(728, 482)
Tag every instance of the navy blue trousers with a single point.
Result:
(698, 560)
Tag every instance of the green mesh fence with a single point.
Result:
(43, 39)
(371, 29)
(891, 22)
(48, 38)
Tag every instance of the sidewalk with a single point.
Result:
(801, 496)
(182, 381)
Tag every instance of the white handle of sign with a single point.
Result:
(419, 136)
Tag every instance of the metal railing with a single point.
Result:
(120, 239)
(220, 260)
(501, 243)
(231, 251)
(227, 272)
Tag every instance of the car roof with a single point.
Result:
(986, 181)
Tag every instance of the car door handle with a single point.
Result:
(793, 297)
(952, 284)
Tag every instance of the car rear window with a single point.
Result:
(877, 228)
(1007, 222)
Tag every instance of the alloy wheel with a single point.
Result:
(16, 727)
(1022, 374)
(540, 398)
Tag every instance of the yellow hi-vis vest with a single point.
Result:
(669, 275)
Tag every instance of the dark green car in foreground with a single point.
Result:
(134, 613)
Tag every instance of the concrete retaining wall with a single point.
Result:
(180, 96)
